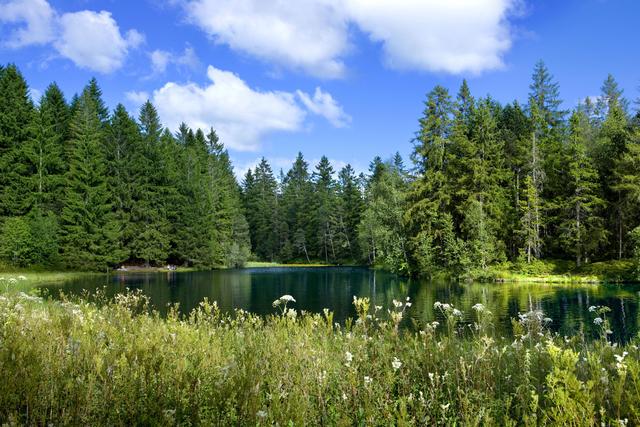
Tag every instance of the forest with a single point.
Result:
(85, 188)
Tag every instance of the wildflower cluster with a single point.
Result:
(115, 363)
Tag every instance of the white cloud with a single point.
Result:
(90, 39)
(324, 105)
(160, 60)
(241, 115)
(310, 35)
(36, 17)
(452, 36)
(136, 99)
(93, 40)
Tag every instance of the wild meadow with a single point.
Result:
(94, 361)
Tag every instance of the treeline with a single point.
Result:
(489, 183)
(85, 188)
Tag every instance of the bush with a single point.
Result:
(118, 363)
(31, 240)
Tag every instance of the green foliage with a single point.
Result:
(90, 230)
(29, 240)
(489, 184)
(115, 363)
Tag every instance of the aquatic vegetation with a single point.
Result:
(118, 362)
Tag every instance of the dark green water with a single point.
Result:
(316, 288)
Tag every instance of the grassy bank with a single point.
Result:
(264, 264)
(560, 271)
(119, 364)
(24, 280)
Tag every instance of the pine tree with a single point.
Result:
(297, 199)
(612, 145)
(89, 230)
(261, 207)
(611, 96)
(486, 201)
(428, 214)
(122, 140)
(515, 132)
(230, 228)
(16, 115)
(583, 225)
(44, 153)
(350, 206)
(150, 229)
(325, 221)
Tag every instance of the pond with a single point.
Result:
(314, 289)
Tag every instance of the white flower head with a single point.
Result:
(348, 356)
(478, 307)
(367, 380)
(396, 364)
(598, 321)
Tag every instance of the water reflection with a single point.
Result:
(333, 288)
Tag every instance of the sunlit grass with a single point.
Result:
(260, 264)
(118, 363)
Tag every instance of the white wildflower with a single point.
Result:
(397, 304)
(457, 312)
(367, 380)
(598, 321)
(261, 414)
(348, 356)
(478, 307)
(593, 308)
(396, 363)
(22, 278)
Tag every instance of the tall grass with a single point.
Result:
(119, 363)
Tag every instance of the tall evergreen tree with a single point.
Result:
(583, 225)
(16, 116)
(89, 229)
(297, 199)
(44, 153)
(150, 230)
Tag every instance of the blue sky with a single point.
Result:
(342, 78)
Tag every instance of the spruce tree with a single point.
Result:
(150, 229)
(89, 229)
(297, 199)
(583, 225)
(16, 116)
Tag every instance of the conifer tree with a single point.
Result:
(89, 229)
(297, 198)
(583, 225)
(16, 115)
(44, 152)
